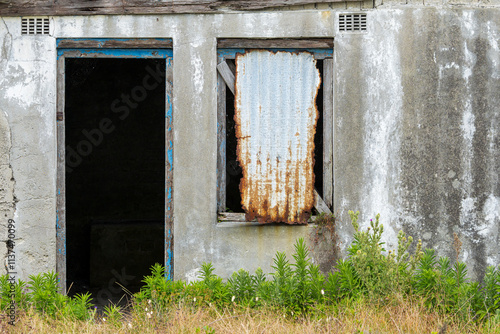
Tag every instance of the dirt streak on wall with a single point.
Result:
(7, 202)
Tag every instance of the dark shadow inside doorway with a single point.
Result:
(115, 173)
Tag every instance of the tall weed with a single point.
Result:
(369, 275)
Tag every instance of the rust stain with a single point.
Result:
(325, 15)
(276, 116)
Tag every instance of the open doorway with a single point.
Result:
(115, 172)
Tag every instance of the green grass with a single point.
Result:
(372, 290)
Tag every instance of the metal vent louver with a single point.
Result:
(352, 22)
(35, 26)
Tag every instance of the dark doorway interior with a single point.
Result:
(115, 172)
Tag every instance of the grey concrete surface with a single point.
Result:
(415, 130)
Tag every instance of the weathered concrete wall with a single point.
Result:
(28, 93)
(27, 146)
(417, 127)
(7, 203)
(416, 118)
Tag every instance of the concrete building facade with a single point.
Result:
(415, 128)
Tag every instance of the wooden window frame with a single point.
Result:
(227, 48)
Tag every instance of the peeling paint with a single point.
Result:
(468, 127)
(493, 35)
(198, 74)
(6, 47)
(491, 212)
(192, 275)
(382, 121)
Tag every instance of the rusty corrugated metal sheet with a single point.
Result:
(276, 115)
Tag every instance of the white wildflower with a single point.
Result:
(104, 319)
(149, 314)
(194, 299)
(322, 292)
(256, 299)
(232, 299)
(146, 309)
(129, 325)
(149, 301)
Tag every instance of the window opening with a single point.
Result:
(234, 173)
(231, 208)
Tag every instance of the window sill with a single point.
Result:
(237, 219)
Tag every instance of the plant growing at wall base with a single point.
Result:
(21, 298)
(216, 290)
(159, 291)
(294, 285)
(325, 233)
(242, 286)
(44, 295)
(378, 273)
(113, 314)
(41, 294)
(374, 270)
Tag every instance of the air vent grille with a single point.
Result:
(35, 26)
(352, 22)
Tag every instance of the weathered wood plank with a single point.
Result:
(328, 132)
(78, 7)
(227, 75)
(152, 43)
(319, 204)
(169, 172)
(290, 43)
(221, 143)
(101, 53)
(232, 216)
(60, 182)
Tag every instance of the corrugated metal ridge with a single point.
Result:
(276, 115)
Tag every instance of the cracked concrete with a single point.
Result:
(6, 39)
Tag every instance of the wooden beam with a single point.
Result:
(319, 204)
(100, 7)
(221, 142)
(227, 75)
(275, 43)
(232, 217)
(133, 43)
(61, 181)
(328, 132)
